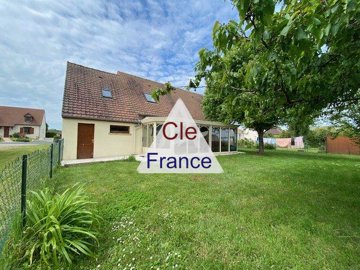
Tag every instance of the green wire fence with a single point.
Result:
(17, 178)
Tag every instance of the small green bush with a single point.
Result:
(16, 135)
(21, 139)
(246, 143)
(131, 158)
(50, 134)
(57, 137)
(58, 227)
(269, 146)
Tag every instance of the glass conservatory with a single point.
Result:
(221, 138)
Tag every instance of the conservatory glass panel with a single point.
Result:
(233, 146)
(144, 136)
(158, 128)
(215, 140)
(205, 132)
(150, 134)
(224, 139)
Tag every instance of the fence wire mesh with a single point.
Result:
(10, 196)
(38, 170)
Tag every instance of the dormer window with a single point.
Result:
(106, 92)
(28, 118)
(149, 98)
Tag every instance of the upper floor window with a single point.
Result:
(149, 98)
(106, 92)
(28, 118)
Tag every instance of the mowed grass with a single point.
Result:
(9, 153)
(284, 210)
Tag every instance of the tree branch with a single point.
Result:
(252, 20)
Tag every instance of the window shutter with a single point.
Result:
(31, 130)
(21, 131)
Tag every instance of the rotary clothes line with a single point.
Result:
(296, 142)
(299, 142)
(283, 142)
(271, 141)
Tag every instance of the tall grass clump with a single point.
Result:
(58, 227)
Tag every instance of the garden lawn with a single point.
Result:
(9, 153)
(284, 210)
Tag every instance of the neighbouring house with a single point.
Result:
(113, 115)
(25, 121)
(247, 133)
(250, 134)
(274, 131)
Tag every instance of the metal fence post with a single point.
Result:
(51, 159)
(23, 189)
(59, 142)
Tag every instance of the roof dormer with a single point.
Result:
(28, 118)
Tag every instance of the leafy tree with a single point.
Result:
(285, 134)
(281, 67)
(348, 122)
(316, 137)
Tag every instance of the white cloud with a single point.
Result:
(155, 39)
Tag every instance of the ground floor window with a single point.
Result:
(27, 130)
(119, 129)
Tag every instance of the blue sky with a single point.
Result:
(158, 40)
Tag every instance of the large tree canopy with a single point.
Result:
(276, 67)
(347, 121)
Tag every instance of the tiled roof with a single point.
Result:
(274, 131)
(11, 116)
(83, 96)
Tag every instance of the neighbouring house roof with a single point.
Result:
(274, 131)
(11, 116)
(83, 96)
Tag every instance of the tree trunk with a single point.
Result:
(261, 141)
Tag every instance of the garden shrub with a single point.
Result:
(58, 227)
(50, 134)
(131, 158)
(246, 143)
(57, 137)
(269, 146)
(20, 139)
(16, 135)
